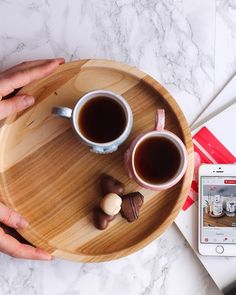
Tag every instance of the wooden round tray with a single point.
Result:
(52, 179)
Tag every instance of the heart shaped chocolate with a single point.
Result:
(111, 185)
(131, 204)
(101, 219)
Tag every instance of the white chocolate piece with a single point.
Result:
(111, 204)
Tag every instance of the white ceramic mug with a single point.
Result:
(73, 114)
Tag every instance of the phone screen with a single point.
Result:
(218, 209)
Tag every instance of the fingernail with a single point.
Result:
(22, 223)
(44, 255)
(29, 100)
(61, 60)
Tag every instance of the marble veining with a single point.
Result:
(225, 55)
(161, 37)
(153, 270)
(189, 46)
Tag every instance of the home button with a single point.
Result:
(219, 249)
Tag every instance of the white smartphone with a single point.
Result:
(217, 210)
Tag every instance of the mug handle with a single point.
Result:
(63, 112)
(160, 120)
(127, 156)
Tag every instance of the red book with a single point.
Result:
(207, 150)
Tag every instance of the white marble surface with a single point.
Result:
(225, 41)
(166, 266)
(190, 47)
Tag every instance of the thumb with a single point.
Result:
(15, 104)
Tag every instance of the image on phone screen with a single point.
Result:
(218, 210)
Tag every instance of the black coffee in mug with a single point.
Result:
(102, 119)
(157, 159)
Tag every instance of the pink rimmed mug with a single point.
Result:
(160, 132)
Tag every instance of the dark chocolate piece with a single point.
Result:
(101, 219)
(111, 185)
(131, 204)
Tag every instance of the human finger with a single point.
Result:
(15, 79)
(14, 248)
(30, 64)
(15, 104)
(11, 218)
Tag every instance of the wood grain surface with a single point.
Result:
(51, 178)
(222, 221)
